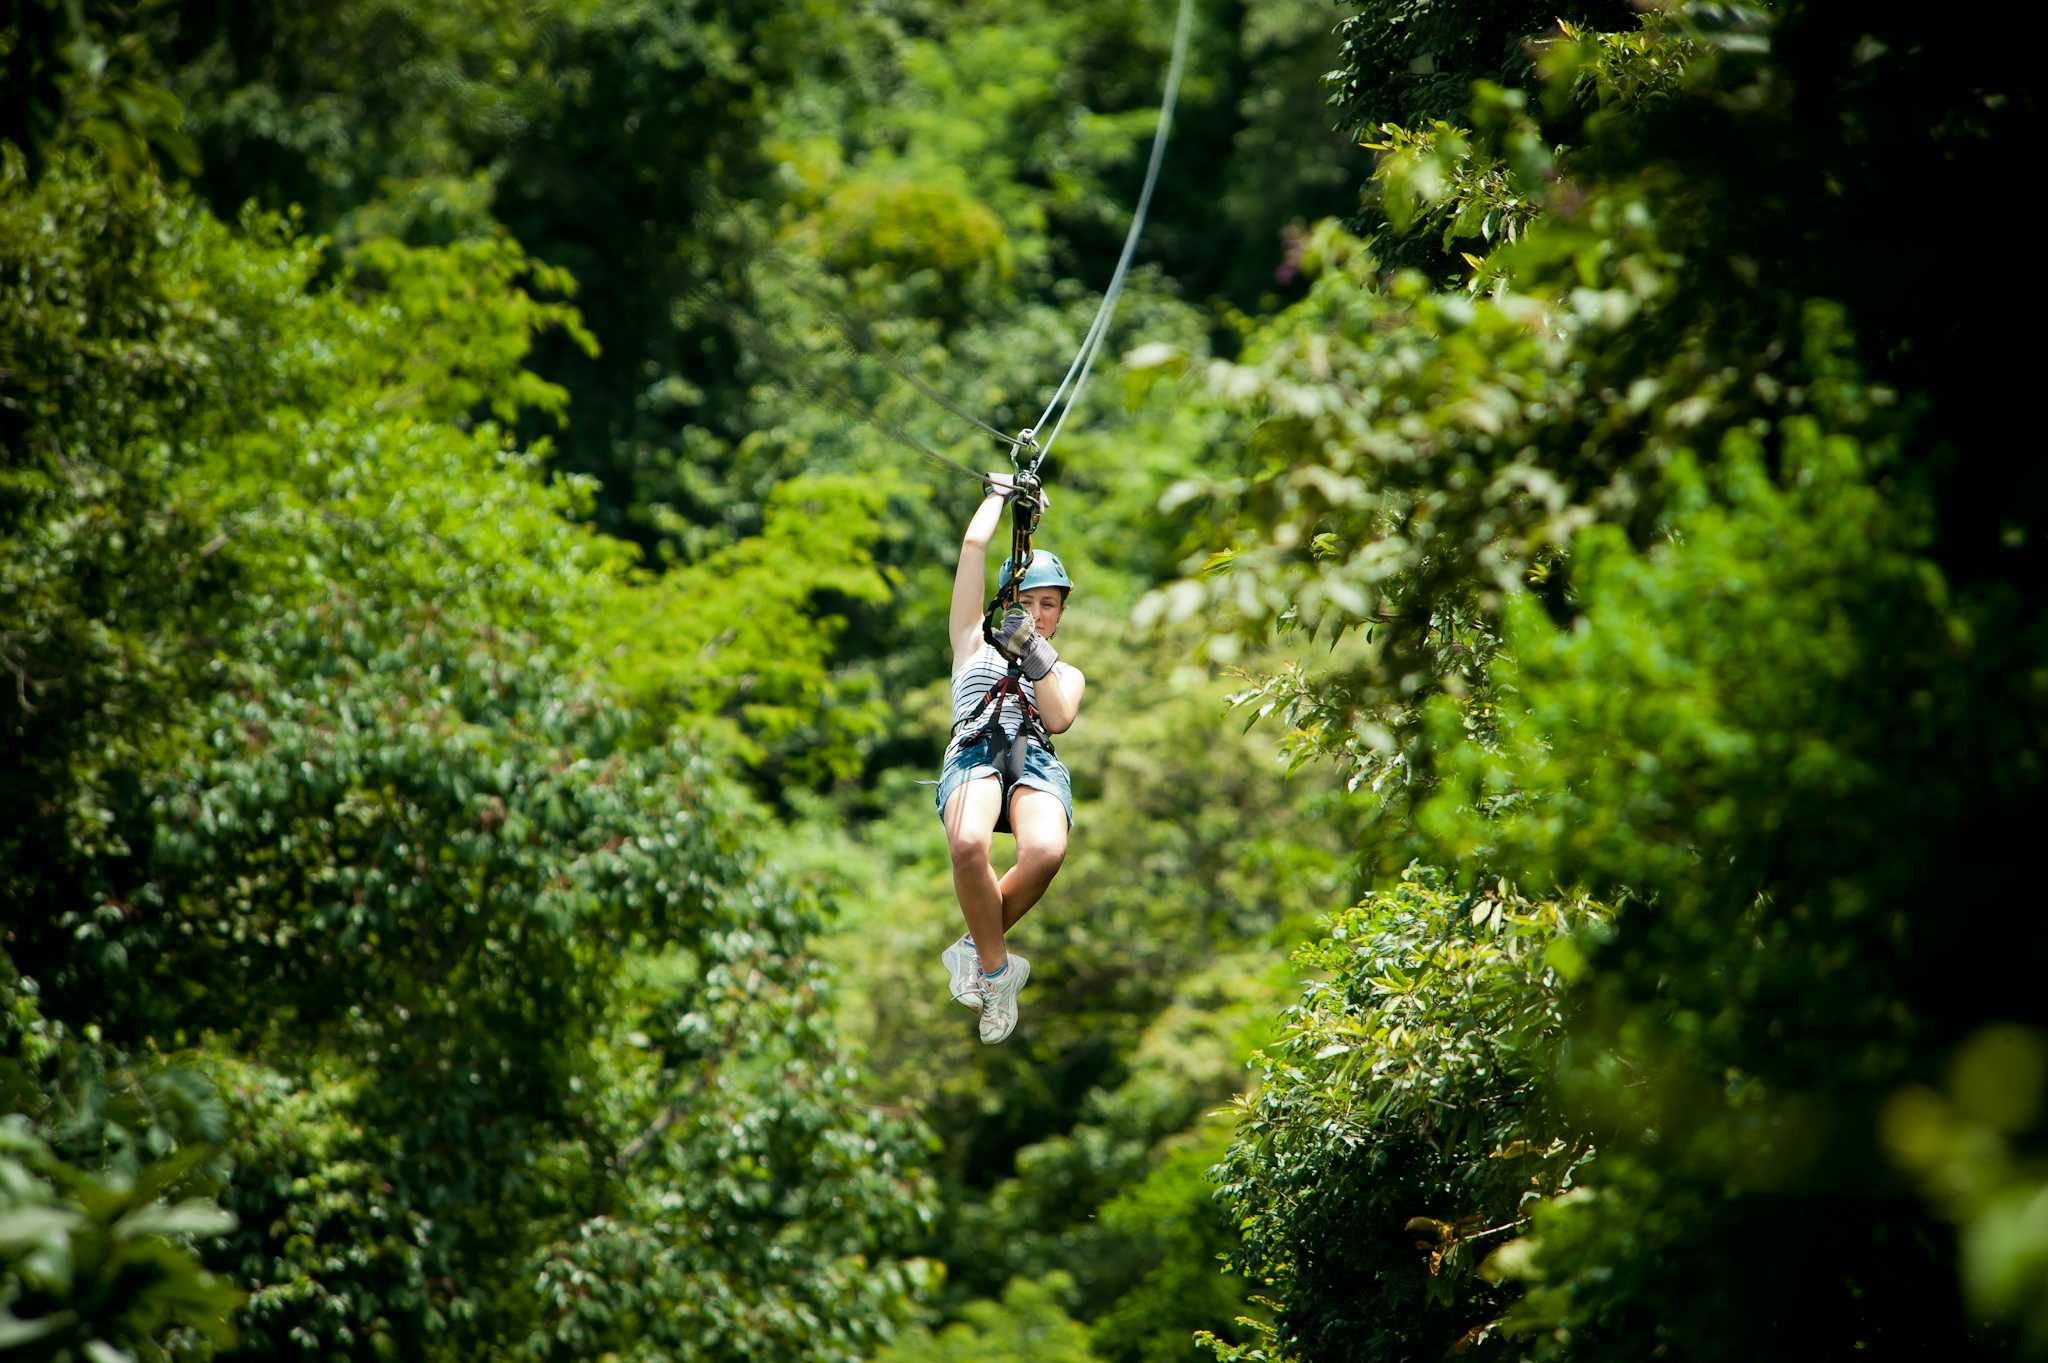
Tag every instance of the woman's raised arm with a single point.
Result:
(970, 579)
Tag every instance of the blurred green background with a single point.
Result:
(1564, 739)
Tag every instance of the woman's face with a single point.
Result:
(1045, 605)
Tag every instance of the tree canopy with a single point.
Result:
(1562, 613)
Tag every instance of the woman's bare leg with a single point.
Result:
(970, 828)
(1040, 821)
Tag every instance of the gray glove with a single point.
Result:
(1019, 641)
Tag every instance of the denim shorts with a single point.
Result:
(1042, 771)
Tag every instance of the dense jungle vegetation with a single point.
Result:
(1566, 714)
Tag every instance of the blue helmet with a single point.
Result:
(1042, 570)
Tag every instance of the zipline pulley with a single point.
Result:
(1026, 454)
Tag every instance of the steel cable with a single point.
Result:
(789, 364)
(1071, 385)
(1091, 344)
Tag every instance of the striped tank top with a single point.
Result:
(987, 667)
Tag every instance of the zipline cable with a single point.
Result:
(1091, 344)
(841, 396)
(857, 334)
(1027, 452)
(847, 326)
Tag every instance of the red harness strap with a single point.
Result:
(1009, 759)
(1010, 685)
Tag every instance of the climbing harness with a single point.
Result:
(1015, 752)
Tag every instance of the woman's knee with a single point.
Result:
(1042, 859)
(970, 848)
(1042, 842)
(970, 818)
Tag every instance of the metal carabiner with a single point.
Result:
(1030, 499)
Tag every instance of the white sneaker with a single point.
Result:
(965, 968)
(999, 999)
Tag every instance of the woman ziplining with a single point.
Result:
(1011, 693)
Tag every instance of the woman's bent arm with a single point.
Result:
(1059, 697)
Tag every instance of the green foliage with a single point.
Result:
(1717, 524)
(1475, 189)
(1391, 526)
(341, 708)
(748, 635)
(914, 225)
(115, 362)
(771, 1205)
(353, 754)
(72, 76)
(1402, 1128)
(1433, 178)
(1168, 1231)
(1414, 458)
(333, 1262)
(371, 842)
(360, 102)
(1407, 71)
(469, 326)
(1411, 61)
(1968, 1146)
(1699, 666)
(372, 847)
(149, 334)
(1027, 1326)
(98, 1267)
(1119, 1197)
(100, 1205)
(1737, 694)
